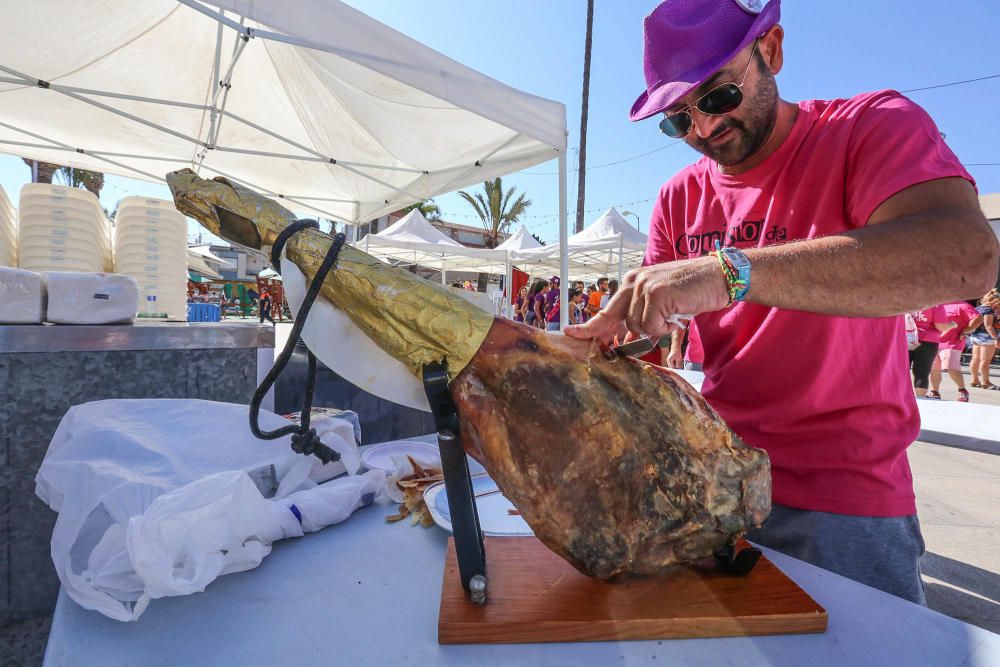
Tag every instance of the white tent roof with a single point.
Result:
(520, 240)
(412, 240)
(604, 246)
(206, 253)
(606, 231)
(310, 100)
(413, 229)
(197, 264)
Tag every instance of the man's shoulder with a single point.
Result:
(864, 111)
(690, 178)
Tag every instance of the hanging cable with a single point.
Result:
(304, 439)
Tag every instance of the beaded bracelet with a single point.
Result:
(733, 283)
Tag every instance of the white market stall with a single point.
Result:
(609, 246)
(413, 240)
(310, 101)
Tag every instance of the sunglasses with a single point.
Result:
(716, 102)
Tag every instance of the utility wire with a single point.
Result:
(952, 83)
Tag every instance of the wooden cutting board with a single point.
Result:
(533, 595)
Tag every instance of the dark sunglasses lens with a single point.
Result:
(676, 125)
(721, 100)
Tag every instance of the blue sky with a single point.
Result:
(832, 49)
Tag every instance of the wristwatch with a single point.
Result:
(741, 264)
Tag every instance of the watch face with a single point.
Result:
(752, 6)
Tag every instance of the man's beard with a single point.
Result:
(748, 134)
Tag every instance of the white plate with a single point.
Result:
(379, 457)
(494, 517)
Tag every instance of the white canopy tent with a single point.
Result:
(307, 100)
(519, 240)
(608, 246)
(413, 240)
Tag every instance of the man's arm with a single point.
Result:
(927, 244)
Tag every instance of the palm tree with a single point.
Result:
(46, 170)
(427, 208)
(495, 210)
(92, 181)
(585, 107)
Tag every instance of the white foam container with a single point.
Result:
(151, 247)
(90, 298)
(8, 231)
(22, 294)
(68, 218)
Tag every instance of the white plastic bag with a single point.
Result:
(110, 461)
(221, 524)
(90, 298)
(22, 296)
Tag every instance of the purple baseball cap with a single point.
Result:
(686, 41)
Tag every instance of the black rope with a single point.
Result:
(304, 439)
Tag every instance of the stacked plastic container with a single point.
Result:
(62, 229)
(151, 246)
(8, 231)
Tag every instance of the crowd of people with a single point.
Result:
(939, 335)
(539, 306)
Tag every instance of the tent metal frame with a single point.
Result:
(217, 113)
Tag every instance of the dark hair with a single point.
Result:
(573, 293)
(537, 287)
(613, 286)
(602, 279)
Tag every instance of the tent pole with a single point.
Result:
(563, 249)
(444, 275)
(621, 250)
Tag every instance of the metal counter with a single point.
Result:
(46, 369)
(144, 335)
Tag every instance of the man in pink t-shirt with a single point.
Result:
(822, 209)
(964, 320)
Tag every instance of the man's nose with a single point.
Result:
(704, 125)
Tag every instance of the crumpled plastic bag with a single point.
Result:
(111, 461)
(221, 524)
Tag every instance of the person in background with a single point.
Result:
(931, 323)
(469, 287)
(576, 311)
(594, 302)
(949, 356)
(264, 310)
(538, 304)
(984, 341)
(612, 290)
(690, 356)
(519, 304)
(551, 296)
(457, 285)
(530, 314)
(579, 285)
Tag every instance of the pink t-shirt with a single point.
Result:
(829, 398)
(961, 314)
(926, 319)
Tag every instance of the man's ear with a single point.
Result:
(770, 48)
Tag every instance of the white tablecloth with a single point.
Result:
(367, 593)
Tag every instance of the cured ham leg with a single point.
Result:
(618, 466)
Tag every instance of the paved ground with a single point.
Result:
(958, 501)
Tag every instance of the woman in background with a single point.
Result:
(520, 303)
(984, 341)
(530, 314)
